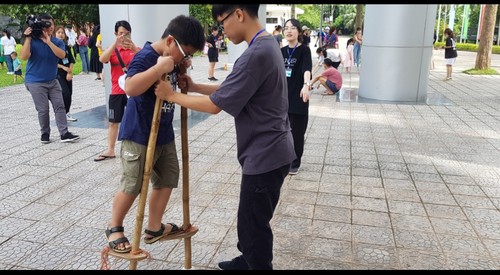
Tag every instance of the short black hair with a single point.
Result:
(187, 30)
(220, 9)
(328, 62)
(123, 23)
(45, 16)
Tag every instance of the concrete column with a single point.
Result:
(396, 51)
(148, 23)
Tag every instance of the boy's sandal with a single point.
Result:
(114, 244)
(157, 235)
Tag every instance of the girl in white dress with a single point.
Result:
(349, 57)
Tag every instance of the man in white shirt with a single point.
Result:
(335, 55)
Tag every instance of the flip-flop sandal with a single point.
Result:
(160, 233)
(103, 157)
(114, 244)
(175, 233)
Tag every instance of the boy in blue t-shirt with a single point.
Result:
(16, 62)
(176, 46)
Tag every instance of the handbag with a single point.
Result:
(121, 79)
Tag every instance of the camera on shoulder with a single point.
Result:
(36, 24)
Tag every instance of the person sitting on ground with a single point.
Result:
(330, 78)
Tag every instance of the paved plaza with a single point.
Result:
(382, 185)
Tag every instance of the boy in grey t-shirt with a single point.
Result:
(255, 94)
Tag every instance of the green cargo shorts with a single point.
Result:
(164, 172)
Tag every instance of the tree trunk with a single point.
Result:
(333, 18)
(359, 16)
(483, 57)
(293, 11)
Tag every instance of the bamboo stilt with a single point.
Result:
(185, 180)
(137, 254)
(150, 151)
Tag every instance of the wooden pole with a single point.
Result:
(185, 179)
(145, 180)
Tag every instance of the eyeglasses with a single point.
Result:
(221, 23)
(184, 55)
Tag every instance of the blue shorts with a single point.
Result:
(332, 86)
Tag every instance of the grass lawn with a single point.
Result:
(8, 79)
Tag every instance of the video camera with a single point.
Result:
(36, 25)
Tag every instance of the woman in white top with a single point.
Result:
(9, 46)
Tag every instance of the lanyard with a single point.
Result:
(290, 54)
(255, 36)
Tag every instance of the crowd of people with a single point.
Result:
(270, 107)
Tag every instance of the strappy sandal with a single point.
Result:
(114, 244)
(157, 235)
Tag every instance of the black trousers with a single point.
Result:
(67, 91)
(259, 195)
(299, 127)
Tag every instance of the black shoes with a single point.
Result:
(69, 137)
(213, 79)
(45, 138)
(293, 171)
(237, 263)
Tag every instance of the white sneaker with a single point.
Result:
(70, 118)
(10, 72)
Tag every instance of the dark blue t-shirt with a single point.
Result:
(255, 94)
(138, 117)
(42, 64)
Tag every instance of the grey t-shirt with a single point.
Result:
(255, 94)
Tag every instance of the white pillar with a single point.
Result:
(396, 51)
(148, 23)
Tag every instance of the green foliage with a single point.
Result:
(488, 71)
(79, 15)
(7, 79)
(310, 17)
(468, 47)
(344, 16)
(202, 12)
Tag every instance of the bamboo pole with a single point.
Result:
(153, 135)
(185, 179)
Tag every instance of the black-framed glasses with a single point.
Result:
(221, 23)
(184, 55)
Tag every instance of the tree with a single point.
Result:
(202, 12)
(360, 14)
(80, 16)
(483, 58)
(71, 14)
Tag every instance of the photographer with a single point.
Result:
(43, 51)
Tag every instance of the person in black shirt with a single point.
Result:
(450, 52)
(306, 36)
(213, 52)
